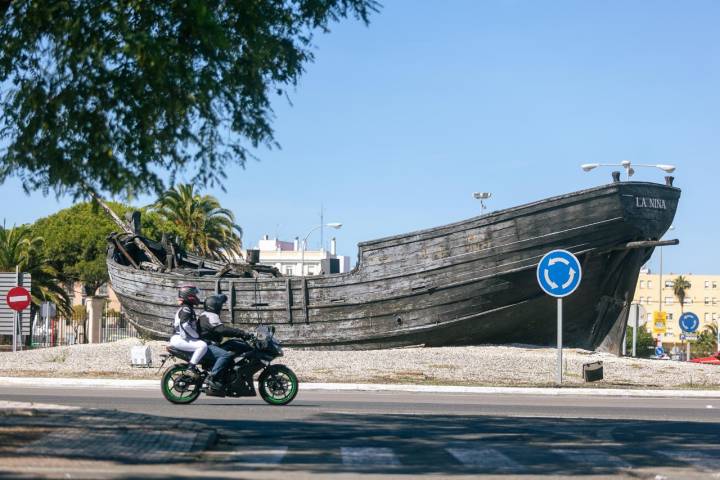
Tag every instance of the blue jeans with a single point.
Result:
(222, 359)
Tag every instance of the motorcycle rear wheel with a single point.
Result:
(278, 385)
(177, 387)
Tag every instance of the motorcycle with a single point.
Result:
(277, 383)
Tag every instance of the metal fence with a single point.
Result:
(71, 330)
(115, 326)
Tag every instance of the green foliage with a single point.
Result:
(205, 227)
(19, 247)
(645, 343)
(680, 287)
(706, 343)
(113, 95)
(76, 240)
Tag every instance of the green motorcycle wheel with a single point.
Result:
(178, 387)
(278, 385)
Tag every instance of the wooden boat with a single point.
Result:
(466, 283)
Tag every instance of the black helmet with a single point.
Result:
(214, 303)
(189, 294)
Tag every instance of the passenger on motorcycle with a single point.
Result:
(186, 335)
(212, 331)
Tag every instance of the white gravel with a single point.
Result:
(483, 365)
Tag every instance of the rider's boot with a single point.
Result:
(215, 387)
(192, 371)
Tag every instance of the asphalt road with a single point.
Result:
(445, 435)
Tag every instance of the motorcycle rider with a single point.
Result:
(212, 331)
(186, 335)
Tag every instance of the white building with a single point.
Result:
(288, 257)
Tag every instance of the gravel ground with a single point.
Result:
(482, 365)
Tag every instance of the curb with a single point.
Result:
(373, 387)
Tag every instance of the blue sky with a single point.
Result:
(396, 124)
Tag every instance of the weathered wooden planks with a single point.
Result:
(463, 283)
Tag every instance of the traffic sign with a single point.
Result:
(690, 337)
(637, 312)
(18, 298)
(689, 322)
(559, 273)
(659, 323)
(659, 351)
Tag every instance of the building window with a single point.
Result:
(707, 283)
(707, 300)
(688, 301)
(650, 317)
(707, 316)
(668, 300)
(714, 284)
(714, 316)
(288, 270)
(648, 300)
(714, 301)
(642, 283)
(642, 299)
(649, 284)
(670, 317)
(669, 283)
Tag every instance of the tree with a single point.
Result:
(113, 95)
(205, 227)
(76, 241)
(706, 343)
(18, 247)
(645, 342)
(680, 287)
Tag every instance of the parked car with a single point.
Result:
(712, 359)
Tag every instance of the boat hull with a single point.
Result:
(471, 282)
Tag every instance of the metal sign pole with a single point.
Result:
(635, 327)
(15, 314)
(559, 342)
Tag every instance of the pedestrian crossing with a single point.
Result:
(483, 458)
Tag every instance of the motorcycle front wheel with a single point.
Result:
(178, 387)
(278, 385)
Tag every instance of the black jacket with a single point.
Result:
(212, 330)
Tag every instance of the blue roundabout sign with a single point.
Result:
(559, 273)
(689, 322)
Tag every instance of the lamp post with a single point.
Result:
(304, 243)
(628, 166)
(482, 196)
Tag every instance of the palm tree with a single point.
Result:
(706, 343)
(206, 228)
(18, 248)
(680, 287)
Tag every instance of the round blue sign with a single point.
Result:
(559, 273)
(689, 322)
(659, 351)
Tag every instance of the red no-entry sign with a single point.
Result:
(18, 299)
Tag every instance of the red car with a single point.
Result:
(712, 360)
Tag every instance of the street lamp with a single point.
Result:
(482, 196)
(304, 243)
(628, 166)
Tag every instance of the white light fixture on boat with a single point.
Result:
(628, 166)
(334, 225)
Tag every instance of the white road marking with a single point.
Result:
(697, 458)
(368, 456)
(264, 456)
(485, 457)
(593, 457)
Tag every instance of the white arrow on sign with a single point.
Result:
(562, 260)
(552, 284)
(570, 280)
